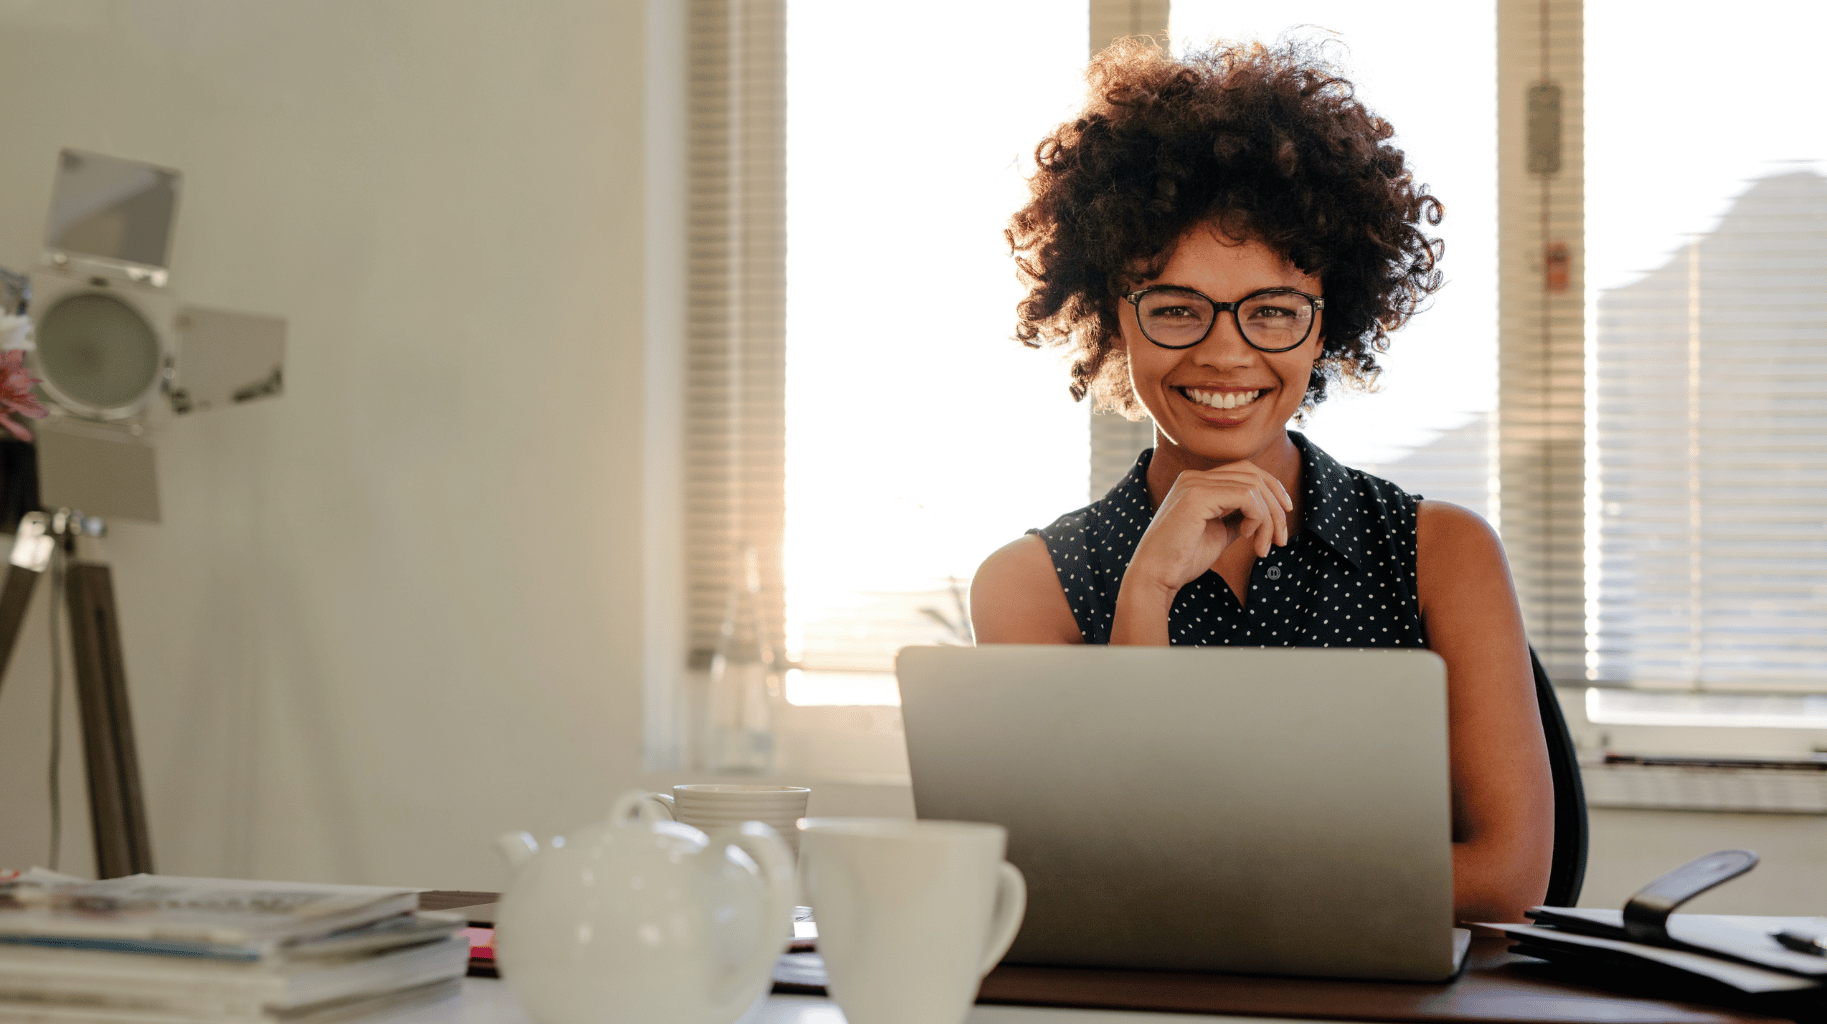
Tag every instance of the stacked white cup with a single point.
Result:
(711, 806)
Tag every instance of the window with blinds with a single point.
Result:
(1623, 372)
(1709, 266)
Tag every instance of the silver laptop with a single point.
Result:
(1257, 810)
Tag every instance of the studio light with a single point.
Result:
(118, 355)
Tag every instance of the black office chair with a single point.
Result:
(1568, 871)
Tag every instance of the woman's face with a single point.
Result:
(1185, 390)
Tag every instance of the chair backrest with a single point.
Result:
(1568, 872)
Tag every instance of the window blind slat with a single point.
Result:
(1541, 418)
(735, 418)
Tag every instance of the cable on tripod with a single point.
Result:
(57, 585)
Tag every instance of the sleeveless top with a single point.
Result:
(1345, 579)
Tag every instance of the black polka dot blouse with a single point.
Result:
(1346, 579)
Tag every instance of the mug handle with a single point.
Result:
(638, 804)
(1011, 905)
(663, 802)
(770, 854)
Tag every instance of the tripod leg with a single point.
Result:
(117, 812)
(15, 599)
(31, 555)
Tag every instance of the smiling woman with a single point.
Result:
(1218, 240)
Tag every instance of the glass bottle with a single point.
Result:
(744, 674)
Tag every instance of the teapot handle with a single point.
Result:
(770, 853)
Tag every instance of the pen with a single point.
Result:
(1801, 942)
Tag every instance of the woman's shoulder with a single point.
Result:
(1447, 530)
(1058, 581)
(1016, 597)
(1441, 534)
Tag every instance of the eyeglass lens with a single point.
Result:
(1180, 319)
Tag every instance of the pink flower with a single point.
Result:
(16, 394)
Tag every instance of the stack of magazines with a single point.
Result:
(150, 949)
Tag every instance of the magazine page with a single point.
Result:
(206, 911)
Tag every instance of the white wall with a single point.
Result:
(1630, 847)
(398, 610)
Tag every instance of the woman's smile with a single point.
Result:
(1221, 398)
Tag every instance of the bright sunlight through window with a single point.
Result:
(920, 436)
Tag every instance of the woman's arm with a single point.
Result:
(1503, 795)
(1201, 520)
(1016, 598)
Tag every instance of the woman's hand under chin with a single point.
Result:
(1203, 514)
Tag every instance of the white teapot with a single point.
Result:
(643, 919)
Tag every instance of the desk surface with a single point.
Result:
(1496, 988)
(487, 1001)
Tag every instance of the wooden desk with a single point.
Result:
(486, 1001)
(1496, 988)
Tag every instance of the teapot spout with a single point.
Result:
(517, 847)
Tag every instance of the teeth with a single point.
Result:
(1222, 399)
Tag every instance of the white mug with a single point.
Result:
(711, 806)
(911, 914)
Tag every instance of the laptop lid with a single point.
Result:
(1259, 810)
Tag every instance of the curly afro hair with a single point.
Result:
(1267, 143)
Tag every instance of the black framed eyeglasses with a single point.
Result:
(1270, 320)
